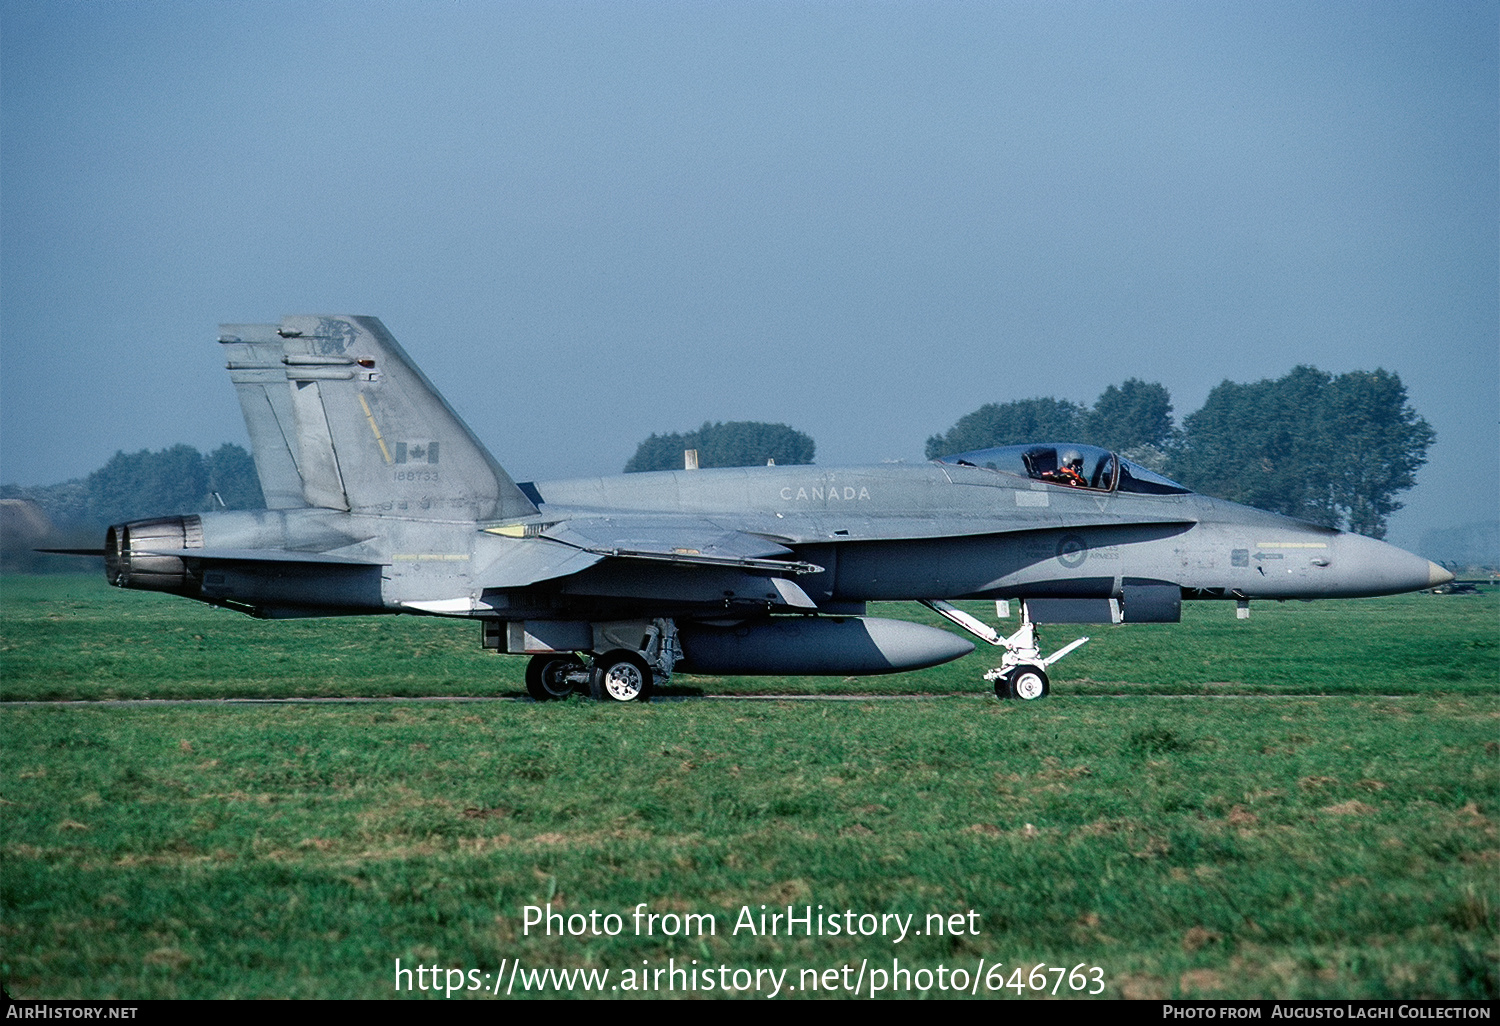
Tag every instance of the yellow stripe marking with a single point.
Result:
(371, 418)
(509, 531)
(1291, 545)
(441, 557)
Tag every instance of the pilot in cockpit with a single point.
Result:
(1069, 470)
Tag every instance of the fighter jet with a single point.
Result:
(381, 500)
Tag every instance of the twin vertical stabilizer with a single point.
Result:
(340, 418)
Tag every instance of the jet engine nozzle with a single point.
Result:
(142, 554)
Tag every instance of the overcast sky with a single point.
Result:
(589, 222)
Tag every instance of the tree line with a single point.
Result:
(1332, 450)
(132, 486)
(737, 443)
(1134, 419)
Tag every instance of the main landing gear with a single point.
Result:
(617, 675)
(1022, 672)
(620, 676)
(555, 675)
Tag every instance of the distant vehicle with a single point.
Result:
(381, 500)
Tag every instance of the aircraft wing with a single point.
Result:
(690, 540)
(662, 537)
(822, 528)
(566, 547)
(547, 552)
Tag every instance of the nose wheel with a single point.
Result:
(1024, 682)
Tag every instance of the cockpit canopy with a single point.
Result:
(1069, 465)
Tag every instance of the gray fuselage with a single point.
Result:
(886, 532)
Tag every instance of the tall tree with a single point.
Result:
(1247, 444)
(736, 443)
(1376, 443)
(1334, 451)
(1135, 415)
(1013, 423)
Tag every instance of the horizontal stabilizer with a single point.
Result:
(531, 560)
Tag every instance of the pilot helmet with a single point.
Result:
(1071, 458)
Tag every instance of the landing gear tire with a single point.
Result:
(547, 676)
(1024, 682)
(621, 676)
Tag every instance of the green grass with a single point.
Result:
(1249, 846)
(77, 638)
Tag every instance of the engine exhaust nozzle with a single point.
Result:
(142, 554)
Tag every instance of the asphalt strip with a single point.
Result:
(114, 702)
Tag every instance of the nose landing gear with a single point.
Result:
(1022, 672)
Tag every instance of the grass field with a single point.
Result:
(76, 638)
(1298, 806)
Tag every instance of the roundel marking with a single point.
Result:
(1072, 551)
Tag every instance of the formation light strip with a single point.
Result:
(371, 418)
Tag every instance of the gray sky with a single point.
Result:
(589, 222)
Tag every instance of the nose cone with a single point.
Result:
(1365, 566)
